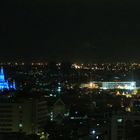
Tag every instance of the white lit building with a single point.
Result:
(110, 85)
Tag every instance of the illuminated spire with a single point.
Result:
(2, 71)
(2, 74)
(5, 84)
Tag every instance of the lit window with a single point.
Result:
(20, 125)
(120, 120)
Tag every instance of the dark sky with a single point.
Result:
(84, 30)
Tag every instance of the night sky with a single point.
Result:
(84, 30)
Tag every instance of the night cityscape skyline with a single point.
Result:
(69, 70)
(70, 101)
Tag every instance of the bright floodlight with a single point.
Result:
(97, 137)
(93, 132)
(132, 86)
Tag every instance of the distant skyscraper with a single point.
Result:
(5, 84)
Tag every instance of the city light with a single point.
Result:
(120, 120)
(110, 85)
(93, 132)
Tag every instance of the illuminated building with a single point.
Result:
(5, 84)
(111, 85)
(119, 85)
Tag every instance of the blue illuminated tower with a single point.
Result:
(3, 83)
(2, 79)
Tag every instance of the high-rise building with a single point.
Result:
(23, 115)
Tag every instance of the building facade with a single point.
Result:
(26, 115)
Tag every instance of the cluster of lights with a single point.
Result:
(94, 133)
(108, 66)
(126, 94)
(43, 135)
(104, 66)
(51, 115)
(110, 85)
